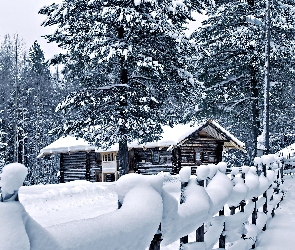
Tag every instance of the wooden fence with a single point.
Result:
(226, 209)
(238, 222)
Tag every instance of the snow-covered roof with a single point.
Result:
(177, 134)
(233, 141)
(287, 152)
(170, 137)
(65, 145)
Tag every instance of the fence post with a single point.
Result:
(232, 210)
(243, 202)
(282, 177)
(276, 191)
(156, 242)
(200, 232)
(265, 196)
(254, 215)
(242, 206)
(12, 178)
(222, 237)
(119, 204)
(184, 239)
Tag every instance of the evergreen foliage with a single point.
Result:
(231, 50)
(10, 53)
(130, 61)
(29, 96)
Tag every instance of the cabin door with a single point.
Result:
(198, 156)
(98, 176)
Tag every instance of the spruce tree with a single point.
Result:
(11, 54)
(130, 59)
(2, 144)
(41, 97)
(27, 117)
(231, 47)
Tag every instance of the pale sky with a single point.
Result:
(21, 17)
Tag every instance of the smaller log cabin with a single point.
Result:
(182, 145)
(287, 156)
(78, 159)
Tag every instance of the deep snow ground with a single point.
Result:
(280, 229)
(56, 204)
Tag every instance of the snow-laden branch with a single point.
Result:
(219, 84)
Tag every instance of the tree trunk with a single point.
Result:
(123, 157)
(123, 147)
(16, 142)
(255, 113)
(267, 80)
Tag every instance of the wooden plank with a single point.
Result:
(87, 174)
(61, 170)
(82, 164)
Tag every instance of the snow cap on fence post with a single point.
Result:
(239, 192)
(202, 172)
(185, 174)
(129, 181)
(235, 170)
(253, 170)
(257, 161)
(245, 169)
(268, 159)
(213, 169)
(222, 166)
(12, 178)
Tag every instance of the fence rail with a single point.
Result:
(241, 203)
(226, 210)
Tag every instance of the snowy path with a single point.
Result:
(280, 230)
(55, 204)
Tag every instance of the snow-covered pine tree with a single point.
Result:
(11, 54)
(130, 59)
(282, 111)
(282, 102)
(40, 97)
(6, 81)
(2, 144)
(34, 115)
(231, 44)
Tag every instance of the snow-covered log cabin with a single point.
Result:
(182, 145)
(78, 159)
(288, 158)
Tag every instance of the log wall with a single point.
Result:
(152, 160)
(198, 148)
(79, 166)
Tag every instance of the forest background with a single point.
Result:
(220, 74)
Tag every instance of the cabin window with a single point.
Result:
(212, 159)
(156, 157)
(190, 157)
(198, 156)
(205, 156)
(109, 157)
